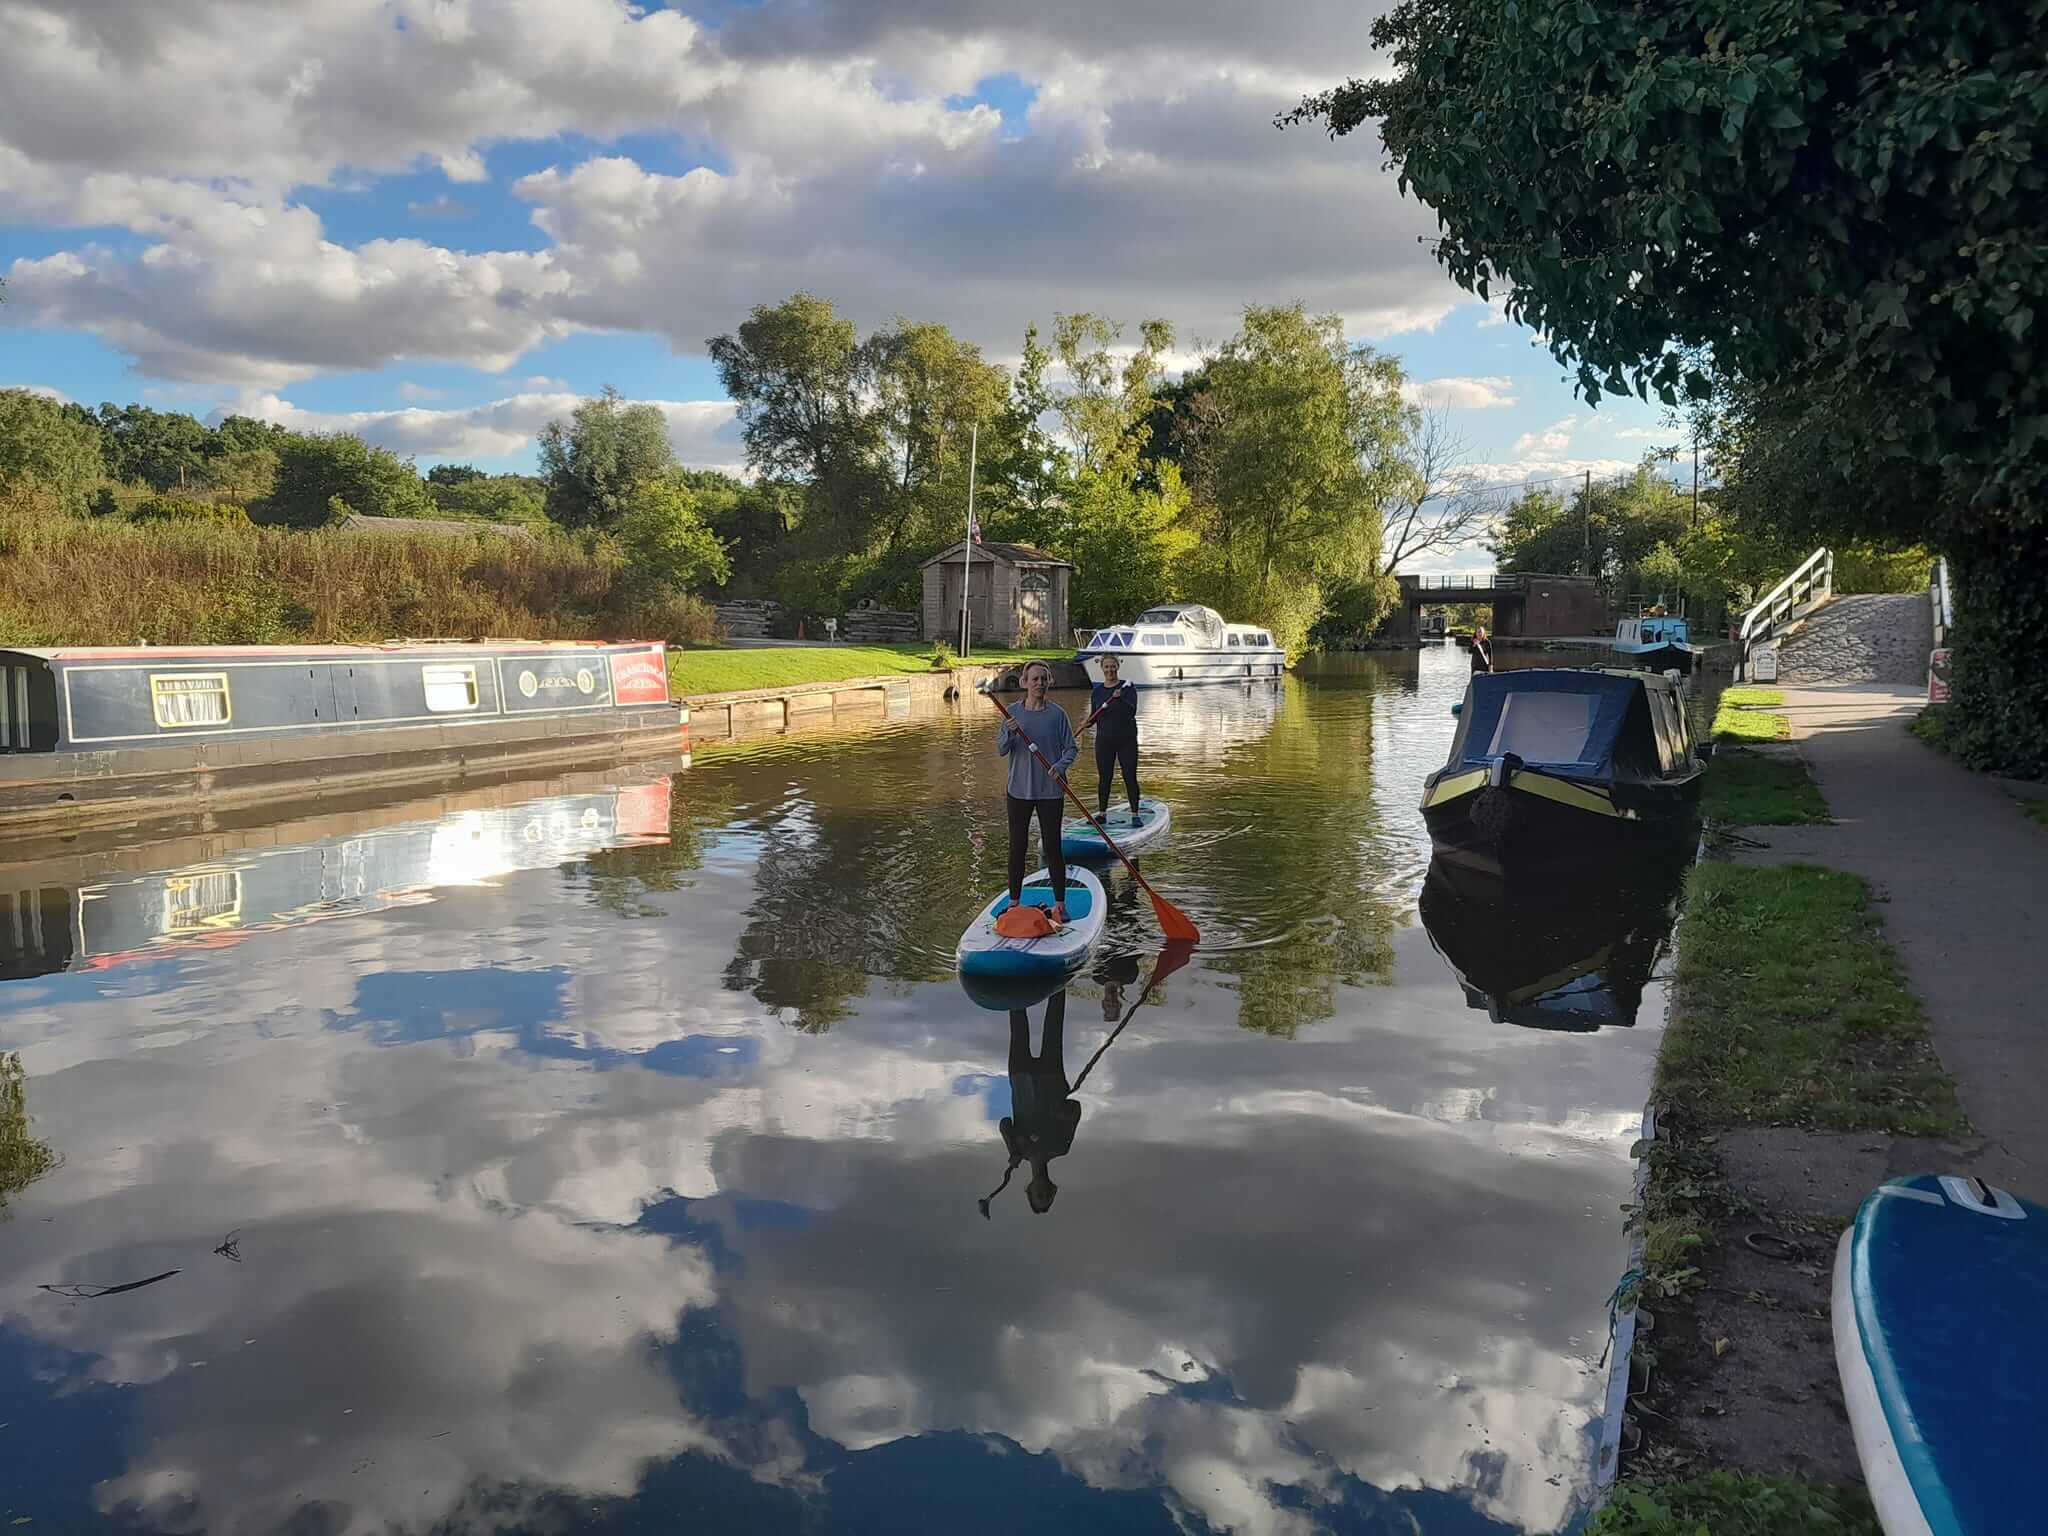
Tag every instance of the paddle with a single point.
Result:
(1175, 955)
(1173, 922)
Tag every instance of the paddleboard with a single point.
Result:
(1941, 1337)
(984, 952)
(1078, 840)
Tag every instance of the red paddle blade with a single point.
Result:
(1173, 923)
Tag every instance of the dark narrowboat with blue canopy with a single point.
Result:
(1562, 763)
(106, 730)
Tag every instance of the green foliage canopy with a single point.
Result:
(592, 465)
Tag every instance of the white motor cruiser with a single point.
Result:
(1183, 643)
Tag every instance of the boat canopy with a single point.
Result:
(1587, 725)
(1206, 622)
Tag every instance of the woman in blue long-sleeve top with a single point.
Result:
(1031, 789)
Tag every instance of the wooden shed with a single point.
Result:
(1016, 595)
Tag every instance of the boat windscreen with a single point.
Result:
(1545, 727)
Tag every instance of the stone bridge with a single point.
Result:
(1525, 604)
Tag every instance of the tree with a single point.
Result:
(1607, 531)
(1106, 409)
(242, 434)
(1839, 204)
(165, 450)
(592, 465)
(933, 391)
(453, 474)
(478, 497)
(1126, 541)
(48, 450)
(1306, 453)
(318, 476)
(1431, 511)
(668, 548)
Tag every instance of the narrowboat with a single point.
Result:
(1553, 764)
(1657, 642)
(1183, 643)
(99, 732)
(1546, 953)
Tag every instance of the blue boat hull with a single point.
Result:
(1941, 1336)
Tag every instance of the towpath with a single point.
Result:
(1961, 877)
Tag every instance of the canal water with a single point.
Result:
(611, 1155)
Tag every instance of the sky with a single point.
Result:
(438, 223)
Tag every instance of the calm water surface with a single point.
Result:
(610, 1160)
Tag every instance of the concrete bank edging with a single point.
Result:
(875, 700)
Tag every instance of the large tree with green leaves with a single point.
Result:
(1303, 451)
(1842, 206)
(165, 450)
(320, 478)
(47, 450)
(591, 465)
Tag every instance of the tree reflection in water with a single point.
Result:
(23, 1158)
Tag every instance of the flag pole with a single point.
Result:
(967, 550)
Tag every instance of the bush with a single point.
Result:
(184, 509)
(1882, 570)
(66, 581)
(679, 618)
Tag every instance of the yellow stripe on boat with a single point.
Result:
(1459, 784)
(1576, 796)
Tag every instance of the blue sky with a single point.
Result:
(439, 225)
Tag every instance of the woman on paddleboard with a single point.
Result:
(1113, 706)
(1031, 790)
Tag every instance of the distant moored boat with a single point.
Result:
(1183, 643)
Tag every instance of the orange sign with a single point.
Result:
(640, 677)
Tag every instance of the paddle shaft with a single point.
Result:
(1171, 959)
(1173, 922)
(1095, 712)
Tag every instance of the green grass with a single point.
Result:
(1748, 789)
(692, 673)
(1744, 715)
(2037, 811)
(1792, 1009)
(1931, 726)
(1733, 1504)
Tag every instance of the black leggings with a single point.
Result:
(1048, 835)
(1111, 754)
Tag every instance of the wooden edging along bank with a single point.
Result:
(847, 701)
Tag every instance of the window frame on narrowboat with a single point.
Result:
(158, 693)
(428, 683)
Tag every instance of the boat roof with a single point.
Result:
(89, 653)
(1586, 741)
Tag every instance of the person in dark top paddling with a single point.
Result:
(1114, 706)
(1032, 791)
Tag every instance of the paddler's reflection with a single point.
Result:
(1115, 972)
(1043, 1114)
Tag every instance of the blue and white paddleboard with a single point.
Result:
(984, 952)
(1078, 840)
(1941, 1336)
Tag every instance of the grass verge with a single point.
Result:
(1744, 714)
(692, 673)
(1931, 726)
(1792, 1009)
(1732, 1504)
(2037, 812)
(1748, 789)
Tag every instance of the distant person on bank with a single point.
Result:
(1031, 790)
(1113, 705)
(1482, 653)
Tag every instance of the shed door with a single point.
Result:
(1034, 608)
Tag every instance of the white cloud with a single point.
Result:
(542, 381)
(1550, 442)
(411, 391)
(44, 390)
(1648, 435)
(1490, 392)
(703, 432)
(1150, 181)
(1556, 474)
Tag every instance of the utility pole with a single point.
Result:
(1695, 484)
(967, 550)
(1589, 522)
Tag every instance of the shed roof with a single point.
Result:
(362, 522)
(1008, 554)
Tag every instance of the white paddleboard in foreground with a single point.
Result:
(984, 952)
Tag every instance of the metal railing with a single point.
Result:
(1469, 582)
(1791, 599)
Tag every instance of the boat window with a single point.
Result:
(1176, 639)
(1544, 727)
(1160, 616)
(1265, 640)
(190, 698)
(450, 687)
(1233, 640)
(13, 709)
(1154, 640)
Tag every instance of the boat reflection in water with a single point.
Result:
(1546, 953)
(103, 917)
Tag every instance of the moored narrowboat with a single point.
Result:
(1657, 642)
(99, 731)
(1560, 764)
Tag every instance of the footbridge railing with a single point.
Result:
(1788, 602)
